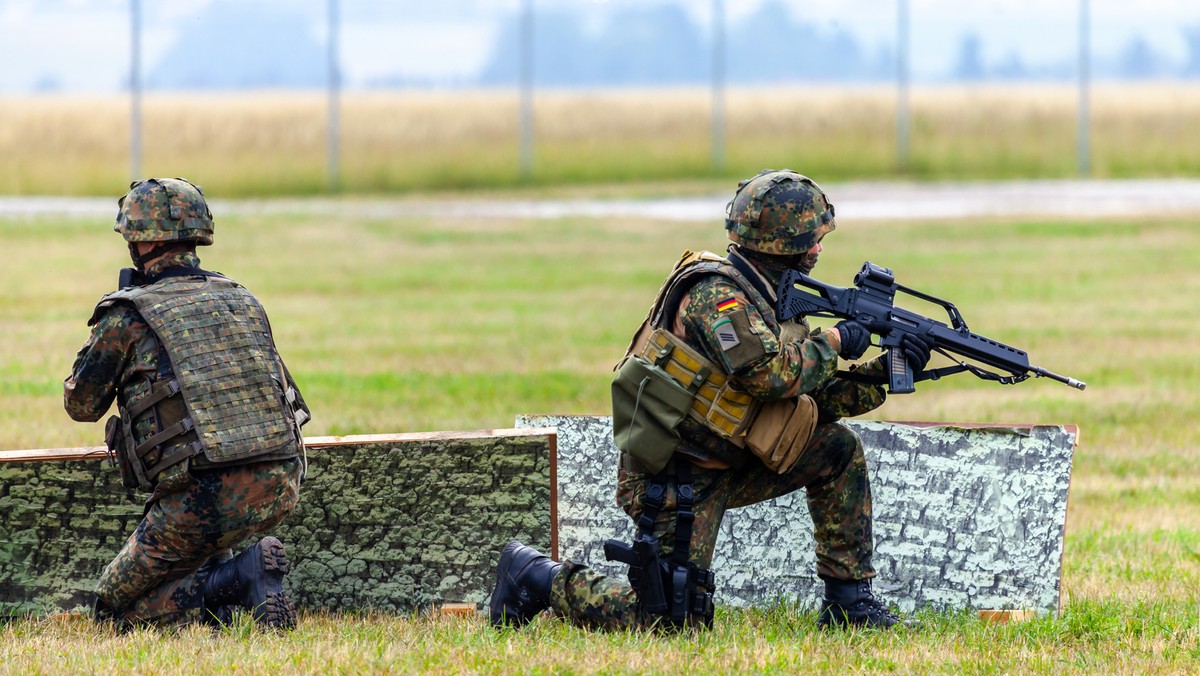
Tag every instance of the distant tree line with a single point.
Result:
(638, 45)
(661, 44)
(1138, 60)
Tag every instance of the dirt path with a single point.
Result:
(855, 200)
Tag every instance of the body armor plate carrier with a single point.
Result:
(237, 403)
(715, 404)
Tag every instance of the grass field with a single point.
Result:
(409, 325)
(264, 144)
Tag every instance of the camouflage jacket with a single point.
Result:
(770, 363)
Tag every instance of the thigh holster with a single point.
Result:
(672, 591)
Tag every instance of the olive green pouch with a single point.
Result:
(648, 405)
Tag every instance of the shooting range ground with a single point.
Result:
(412, 324)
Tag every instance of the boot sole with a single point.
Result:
(839, 619)
(276, 610)
(274, 557)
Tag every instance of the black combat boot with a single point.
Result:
(850, 603)
(523, 579)
(254, 581)
(102, 612)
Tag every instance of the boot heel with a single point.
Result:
(274, 556)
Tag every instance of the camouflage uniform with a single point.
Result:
(196, 513)
(772, 363)
(832, 469)
(714, 394)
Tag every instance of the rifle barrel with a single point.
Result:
(1077, 384)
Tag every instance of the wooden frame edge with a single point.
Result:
(99, 452)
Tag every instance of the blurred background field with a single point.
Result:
(418, 323)
(261, 144)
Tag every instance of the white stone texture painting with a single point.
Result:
(966, 517)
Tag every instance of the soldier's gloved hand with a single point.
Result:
(856, 338)
(917, 350)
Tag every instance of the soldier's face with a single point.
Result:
(816, 247)
(821, 232)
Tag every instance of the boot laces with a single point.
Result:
(874, 608)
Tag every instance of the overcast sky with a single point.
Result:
(82, 45)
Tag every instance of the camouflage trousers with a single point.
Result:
(833, 471)
(158, 576)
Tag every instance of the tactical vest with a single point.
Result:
(716, 406)
(224, 398)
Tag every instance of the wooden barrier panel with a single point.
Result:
(387, 522)
(966, 516)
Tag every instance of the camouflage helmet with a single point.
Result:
(164, 210)
(778, 212)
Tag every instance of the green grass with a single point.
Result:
(411, 325)
(1092, 636)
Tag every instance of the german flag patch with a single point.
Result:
(727, 304)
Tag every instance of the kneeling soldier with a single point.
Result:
(208, 422)
(718, 405)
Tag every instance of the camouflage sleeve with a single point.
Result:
(842, 398)
(102, 362)
(724, 325)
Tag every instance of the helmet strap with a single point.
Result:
(140, 260)
(774, 265)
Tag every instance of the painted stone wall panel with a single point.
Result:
(61, 522)
(388, 523)
(965, 517)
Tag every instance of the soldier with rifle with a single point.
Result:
(726, 398)
(720, 404)
(208, 423)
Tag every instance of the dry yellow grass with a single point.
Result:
(276, 143)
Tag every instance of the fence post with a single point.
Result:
(333, 150)
(718, 86)
(526, 87)
(1083, 132)
(135, 89)
(902, 78)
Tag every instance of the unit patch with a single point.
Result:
(726, 335)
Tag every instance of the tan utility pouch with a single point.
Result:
(782, 431)
(722, 409)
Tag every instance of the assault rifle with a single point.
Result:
(872, 302)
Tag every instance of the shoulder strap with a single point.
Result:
(110, 299)
(130, 294)
(183, 271)
(684, 280)
(743, 266)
